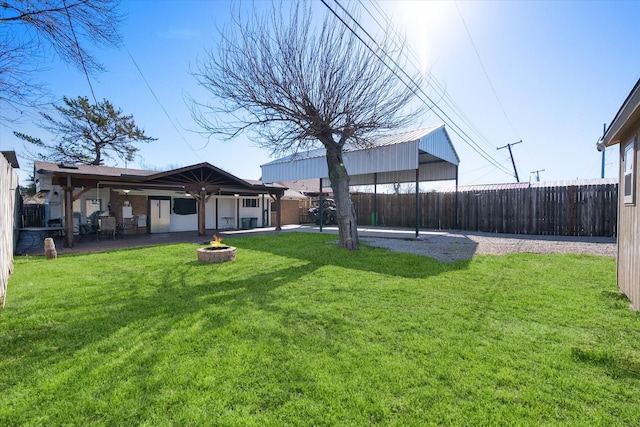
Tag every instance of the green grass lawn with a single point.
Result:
(299, 332)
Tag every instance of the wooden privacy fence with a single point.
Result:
(576, 210)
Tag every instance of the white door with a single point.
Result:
(159, 213)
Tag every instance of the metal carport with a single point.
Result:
(418, 155)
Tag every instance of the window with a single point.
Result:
(250, 203)
(628, 177)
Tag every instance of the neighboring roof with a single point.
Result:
(524, 185)
(628, 114)
(389, 159)
(307, 186)
(11, 158)
(290, 194)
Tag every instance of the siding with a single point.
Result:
(629, 234)
(290, 213)
(9, 194)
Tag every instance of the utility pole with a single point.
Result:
(511, 154)
(537, 174)
(604, 130)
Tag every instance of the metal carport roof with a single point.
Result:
(389, 159)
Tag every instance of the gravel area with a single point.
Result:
(455, 246)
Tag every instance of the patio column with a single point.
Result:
(202, 194)
(68, 213)
(278, 212)
(201, 217)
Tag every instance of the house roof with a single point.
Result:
(388, 159)
(628, 114)
(191, 178)
(89, 170)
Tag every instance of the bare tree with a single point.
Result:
(295, 84)
(31, 29)
(87, 133)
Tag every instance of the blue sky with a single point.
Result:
(547, 73)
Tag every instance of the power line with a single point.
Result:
(164, 110)
(484, 69)
(445, 97)
(75, 39)
(153, 93)
(166, 113)
(453, 125)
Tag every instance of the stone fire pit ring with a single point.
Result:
(216, 254)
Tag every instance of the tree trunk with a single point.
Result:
(345, 211)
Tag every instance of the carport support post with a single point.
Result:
(320, 207)
(417, 203)
(456, 202)
(374, 217)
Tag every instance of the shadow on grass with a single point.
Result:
(614, 365)
(402, 263)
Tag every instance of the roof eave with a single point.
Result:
(628, 114)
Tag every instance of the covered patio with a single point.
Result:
(147, 196)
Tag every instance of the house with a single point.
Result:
(194, 198)
(624, 131)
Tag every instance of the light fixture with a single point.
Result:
(236, 195)
(126, 198)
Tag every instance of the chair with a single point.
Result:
(77, 219)
(92, 226)
(108, 226)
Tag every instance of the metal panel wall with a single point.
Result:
(298, 169)
(383, 159)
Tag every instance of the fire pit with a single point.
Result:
(216, 254)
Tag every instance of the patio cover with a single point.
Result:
(201, 181)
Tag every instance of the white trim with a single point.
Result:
(628, 172)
